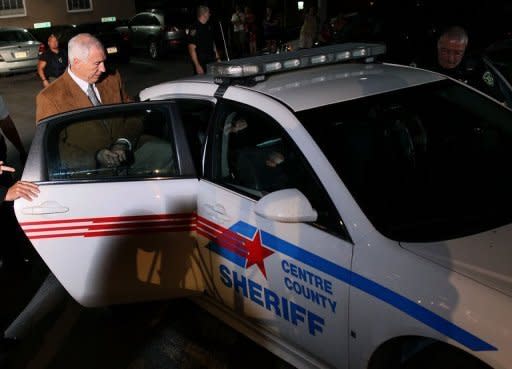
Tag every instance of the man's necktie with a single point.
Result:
(92, 95)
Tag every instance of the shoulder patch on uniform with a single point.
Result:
(488, 78)
(193, 32)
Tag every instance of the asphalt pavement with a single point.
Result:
(167, 334)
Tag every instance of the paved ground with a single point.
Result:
(145, 336)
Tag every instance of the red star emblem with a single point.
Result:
(256, 253)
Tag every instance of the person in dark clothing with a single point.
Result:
(201, 45)
(271, 30)
(53, 62)
(9, 130)
(13, 239)
(453, 61)
(449, 58)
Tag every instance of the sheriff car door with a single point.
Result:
(114, 234)
(285, 277)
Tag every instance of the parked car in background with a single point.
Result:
(19, 50)
(158, 31)
(117, 48)
(64, 32)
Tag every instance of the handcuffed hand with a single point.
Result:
(113, 157)
(274, 159)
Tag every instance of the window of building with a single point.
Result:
(79, 5)
(12, 8)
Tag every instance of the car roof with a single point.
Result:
(12, 28)
(317, 86)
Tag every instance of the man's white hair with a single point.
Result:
(80, 46)
(455, 33)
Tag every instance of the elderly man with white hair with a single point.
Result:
(86, 83)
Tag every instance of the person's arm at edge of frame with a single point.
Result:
(9, 129)
(20, 189)
(193, 56)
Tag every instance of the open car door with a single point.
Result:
(115, 233)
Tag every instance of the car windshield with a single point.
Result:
(425, 163)
(8, 36)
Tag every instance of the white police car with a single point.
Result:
(341, 213)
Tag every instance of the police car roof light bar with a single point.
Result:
(258, 67)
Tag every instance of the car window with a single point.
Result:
(153, 21)
(138, 143)
(253, 155)
(15, 36)
(139, 20)
(195, 115)
(425, 163)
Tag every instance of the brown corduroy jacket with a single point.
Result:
(79, 142)
(64, 95)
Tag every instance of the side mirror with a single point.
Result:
(287, 206)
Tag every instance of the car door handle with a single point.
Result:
(217, 213)
(47, 207)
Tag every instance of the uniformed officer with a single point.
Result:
(453, 62)
(201, 45)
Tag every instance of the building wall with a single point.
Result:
(55, 11)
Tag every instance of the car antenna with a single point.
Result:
(224, 41)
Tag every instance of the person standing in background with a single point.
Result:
(251, 30)
(271, 30)
(53, 62)
(201, 46)
(239, 31)
(308, 31)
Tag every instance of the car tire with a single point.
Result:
(154, 49)
(438, 356)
